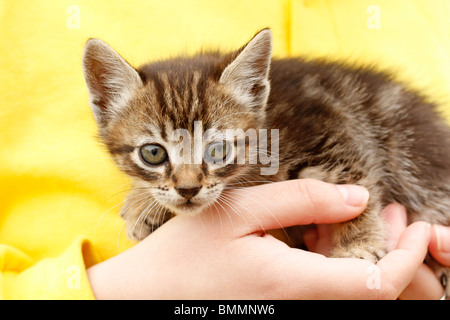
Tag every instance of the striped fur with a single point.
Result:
(337, 123)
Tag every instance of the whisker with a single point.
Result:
(220, 217)
(132, 189)
(159, 215)
(131, 214)
(249, 182)
(122, 191)
(121, 186)
(151, 205)
(229, 201)
(240, 193)
(247, 210)
(229, 217)
(123, 212)
(104, 214)
(131, 204)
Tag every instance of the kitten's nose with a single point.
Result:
(188, 193)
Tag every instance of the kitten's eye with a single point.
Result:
(217, 151)
(153, 154)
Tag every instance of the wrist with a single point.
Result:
(103, 280)
(129, 275)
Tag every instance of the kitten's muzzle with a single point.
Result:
(188, 193)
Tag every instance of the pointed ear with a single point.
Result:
(111, 81)
(247, 76)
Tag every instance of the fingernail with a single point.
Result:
(354, 195)
(442, 238)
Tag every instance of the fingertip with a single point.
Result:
(440, 244)
(416, 236)
(353, 195)
(310, 238)
(441, 235)
(395, 212)
(395, 217)
(400, 265)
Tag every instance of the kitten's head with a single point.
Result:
(165, 123)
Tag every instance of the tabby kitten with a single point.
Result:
(337, 123)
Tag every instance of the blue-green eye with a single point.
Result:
(217, 151)
(153, 154)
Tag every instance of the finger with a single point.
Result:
(440, 244)
(424, 286)
(395, 218)
(289, 203)
(325, 242)
(399, 266)
(318, 239)
(347, 278)
(313, 276)
(310, 238)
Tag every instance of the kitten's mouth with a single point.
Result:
(187, 207)
(191, 206)
(188, 204)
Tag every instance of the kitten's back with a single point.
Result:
(365, 124)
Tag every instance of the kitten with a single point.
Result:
(337, 123)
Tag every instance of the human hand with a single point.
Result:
(425, 284)
(224, 252)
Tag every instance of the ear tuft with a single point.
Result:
(111, 81)
(247, 76)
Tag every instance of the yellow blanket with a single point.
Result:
(60, 192)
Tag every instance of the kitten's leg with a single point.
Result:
(363, 237)
(142, 215)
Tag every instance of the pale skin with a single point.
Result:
(222, 255)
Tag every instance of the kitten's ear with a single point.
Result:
(247, 76)
(111, 81)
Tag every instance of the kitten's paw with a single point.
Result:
(369, 253)
(138, 231)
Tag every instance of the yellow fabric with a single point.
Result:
(60, 192)
(412, 38)
(61, 277)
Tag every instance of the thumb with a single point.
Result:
(440, 244)
(289, 203)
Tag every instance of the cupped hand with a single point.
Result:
(425, 284)
(225, 253)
